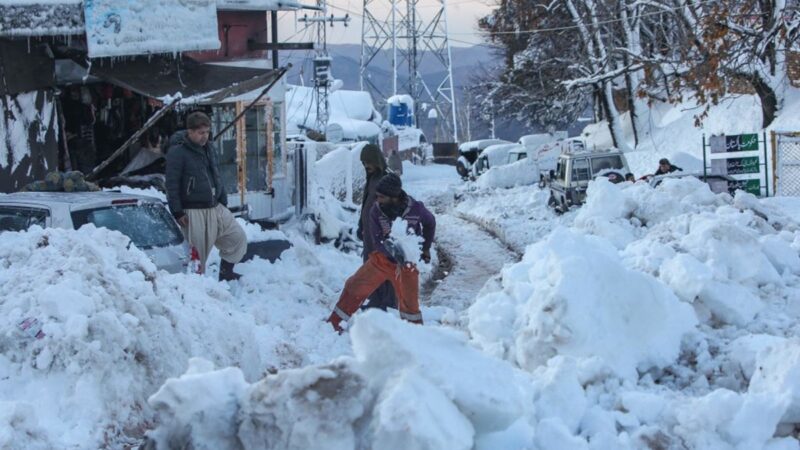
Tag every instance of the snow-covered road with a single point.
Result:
(474, 257)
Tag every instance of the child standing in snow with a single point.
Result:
(382, 264)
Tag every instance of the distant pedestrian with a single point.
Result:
(382, 264)
(396, 163)
(665, 167)
(197, 197)
(375, 167)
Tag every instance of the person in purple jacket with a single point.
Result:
(382, 265)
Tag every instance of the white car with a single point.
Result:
(468, 153)
(493, 156)
(145, 220)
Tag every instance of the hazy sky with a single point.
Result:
(462, 20)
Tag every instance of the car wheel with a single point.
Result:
(462, 169)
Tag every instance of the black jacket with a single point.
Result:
(672, 168)
(192, 176)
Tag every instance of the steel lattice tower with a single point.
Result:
(396, 27)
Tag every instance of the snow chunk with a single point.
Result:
(518, 173)
(199, 407)
(778, 374)
(573, 297)
(413, 413)
(476, 384)
(302, 408)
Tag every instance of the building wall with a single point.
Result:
(235, 28)
(28, 143)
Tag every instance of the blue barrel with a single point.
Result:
(399, 115)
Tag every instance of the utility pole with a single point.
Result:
(322, 61)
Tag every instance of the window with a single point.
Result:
(20, 218)
(514, 157)
(580, 170)
(147, 225)
(561, 169)
(606, 163)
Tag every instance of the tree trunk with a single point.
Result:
(769, 101)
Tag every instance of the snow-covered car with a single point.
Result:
(717, 183)
(145, 220)
(574, 171)
(534, 141)
(544, 155)
(493, 156)
(468, 153)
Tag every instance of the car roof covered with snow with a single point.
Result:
(72, 198)
(481, 144)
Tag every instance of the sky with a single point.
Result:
(463, 16)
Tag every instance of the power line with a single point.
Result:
(538, 30)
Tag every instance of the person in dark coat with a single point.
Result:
(385, 263)
(197, 197)
(665, 167)
(375, 168)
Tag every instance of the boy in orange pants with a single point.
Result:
(392, 203)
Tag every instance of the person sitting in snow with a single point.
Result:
(375, 167)
(382, 265)
(665, 167)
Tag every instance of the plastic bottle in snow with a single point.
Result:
(194, 262)
(32, 327)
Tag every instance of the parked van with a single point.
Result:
(574, 171)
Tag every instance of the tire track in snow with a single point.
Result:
(474, 255)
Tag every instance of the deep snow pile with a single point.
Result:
(407, 386)
(115, 329)
(519, 173)
(666, 315)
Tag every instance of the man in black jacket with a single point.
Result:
(197, 196)
(665, 167)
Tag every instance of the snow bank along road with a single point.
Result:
(650, 318)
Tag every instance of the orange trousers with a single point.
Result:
(375, 271)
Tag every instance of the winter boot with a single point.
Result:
(226, 272)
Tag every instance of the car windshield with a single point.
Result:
(147, 225)
(20, 219)
(606, 163)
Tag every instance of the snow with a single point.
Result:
(658, 317)
(137, 27)
(24, 123)
(352, 110)
(116, 329)
(518, 173)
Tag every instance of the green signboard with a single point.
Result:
(735, 143)
(739, 166)
(751, 186)
(741, 143)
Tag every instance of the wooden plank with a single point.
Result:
(270, 145)
(241, 151)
